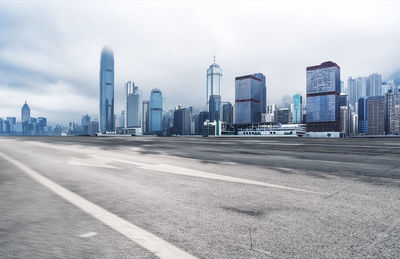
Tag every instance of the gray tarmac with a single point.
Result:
(210, 197)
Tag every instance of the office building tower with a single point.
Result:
(323, 89)
(392, 102)
(25, 112)
(168, 123)
(107, 91)
(375, 85)
(214, 74)
(41, 125)
(227, 110)
(133, 106)
(145, 117)
(344, 120)
(248, 99)
(263, 92)
(12, 121)
(182, 120)
(376, 115)
(156, 110)
(297, 113)
(362, 115)
(85, 124)
(203, 116)
(282, 116)
(1, 125)
(362, 87)
(93, 128)
(215, 107)
(352, 91)
(122, 120)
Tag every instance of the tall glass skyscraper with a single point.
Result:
(133, 106)
(107, 91)
(263, 92)
(297, 109)
(156, 109)
(248, 91)
(25, 112)
(214, 74)
(323, 94)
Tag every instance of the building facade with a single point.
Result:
(376, 115)
(214, 75)
(227, 111)
(145, 117)
(25, 112)
(155, 111)
(215, 107)
(107, 91)
(263, 91)
(248, 99)
(133, 106)
(297, 113)
(323, 89)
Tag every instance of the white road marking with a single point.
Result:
(196, 173)
(89, 234)
(149, 241)
(91, 162)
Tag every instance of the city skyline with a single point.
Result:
(55, 67)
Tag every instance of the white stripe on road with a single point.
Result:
(196, 173)
(152, 243)
(89, 234)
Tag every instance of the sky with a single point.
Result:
(50, 50)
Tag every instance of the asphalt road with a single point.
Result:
(148, 197)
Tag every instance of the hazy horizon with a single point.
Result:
(50, 51)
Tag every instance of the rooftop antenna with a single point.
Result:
(214, 59)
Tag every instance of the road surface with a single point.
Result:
(187, 197)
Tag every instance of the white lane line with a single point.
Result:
(196, 173)
(89, 234)
(152, 243)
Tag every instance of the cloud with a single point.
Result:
(50, 51)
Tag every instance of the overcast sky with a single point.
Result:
(50, 51)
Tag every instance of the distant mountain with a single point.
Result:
(395, 77)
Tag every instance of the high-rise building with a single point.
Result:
(344, 120)
(215, 107)
(85, 124)
(203, 116)
(263, 92)
(375, 85)
(248, 99)
(323, 89)
(145, 117)
(376, 115)
(42, 124)
(133, 106)
(107, 91)
(297, 114)
(25, 112)
(122, 120)
(282, 116)
(352, 91)
(156, 110)
(182, 120)
(227, 115)
(214, 74)
(362, 115)
(392, 104)
(93, 128)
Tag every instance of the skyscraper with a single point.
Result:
(215, 107)
(181, 120)
(248, 99)
(107, 91)
(85, 124)
(145, 117)
(263, 92)
(376, 115)
(362, 115)
(352, 91)
(375, 85)
(214, 74)
(156, 109)
(227, 112)
(297, 114)
(323, 89)
(133, 106)
(25, 112)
